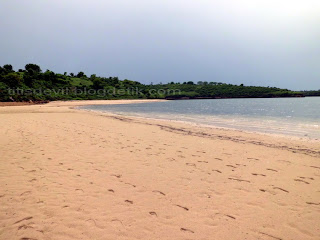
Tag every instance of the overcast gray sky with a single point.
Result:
(255, 42)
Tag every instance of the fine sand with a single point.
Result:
(73, 174)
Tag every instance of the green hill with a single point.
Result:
(34, 84)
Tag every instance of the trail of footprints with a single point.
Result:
(304, 180)
(152, 213)
(233, 167)
(188, 164)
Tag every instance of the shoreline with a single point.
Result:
(67, 173)
(195, 124)
(269, 138)
(209, 131)
(207, 126)
(75, 105)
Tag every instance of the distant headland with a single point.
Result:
(31, 84)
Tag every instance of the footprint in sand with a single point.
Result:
(300, 180)
(153, 214)
(281, 189)
(23, 219)
(156, 191)
(25, 226)
(310, 178)
(315, 167)
(284, 161)
(185, 208)
(117, 176)
(312, 203)
(24, 193)
(239, 180)
(258, 174)
(231, 166)
(132, 185)
(191, 164)
(186, 230)
(241, 165)
(271, 236)
(229, 216)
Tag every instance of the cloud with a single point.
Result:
(256, 42)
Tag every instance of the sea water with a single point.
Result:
(298, 117)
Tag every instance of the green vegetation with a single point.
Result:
(33, 84)
(311, 93)
(80, 82)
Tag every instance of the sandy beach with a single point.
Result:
(74, 174)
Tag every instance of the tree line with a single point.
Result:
(79, 86)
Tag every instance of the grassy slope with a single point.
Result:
(79, 82)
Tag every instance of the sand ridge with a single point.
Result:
(71, 174)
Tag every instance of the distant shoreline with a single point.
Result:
(33, 84)
(202, 98)
(24, 103)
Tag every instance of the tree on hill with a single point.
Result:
(49, 76)
(81, 74)
(98, 83)
(8, 68)
(13, 80)
(33, 67)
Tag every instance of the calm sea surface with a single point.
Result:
(289, 116)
